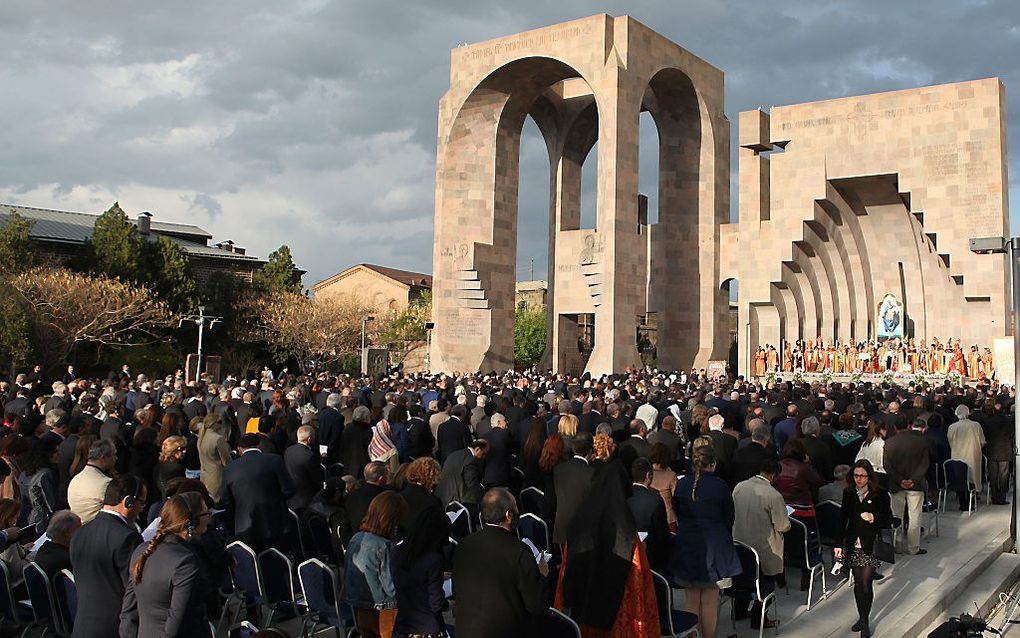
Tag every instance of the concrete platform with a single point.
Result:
(965, 562)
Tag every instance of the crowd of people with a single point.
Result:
(139, 484)
(839, 356)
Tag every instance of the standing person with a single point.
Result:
(87, 491)
(906, 461)
(304, 468)
(425, 522)
(368, 577)
(213, 454)
(462, 476)
(418, 580)
(571, 483)
(704, 561)
(453, 434)
(168, 587)
(664, 479)
(864, 513)
(377, 479)
(256, 489)
(382, 448)
(500, 588)
(999, 450)
(354, 441)
(497, 471)
(645, 504)
(39, 481)
(760, 522)
(170, 466)
(101, 555)
(873, 448)
(966, 440)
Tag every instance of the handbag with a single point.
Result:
(883, 550)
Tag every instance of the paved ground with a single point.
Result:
(907, 591)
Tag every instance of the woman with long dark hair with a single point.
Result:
(368, 577)
(864, 513)
(531, 453)
(167, 588)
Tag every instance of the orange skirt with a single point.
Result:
(638, 616)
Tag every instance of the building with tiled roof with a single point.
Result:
(387, 289)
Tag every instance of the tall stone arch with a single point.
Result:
(582, 81)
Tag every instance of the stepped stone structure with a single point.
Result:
(841, 203)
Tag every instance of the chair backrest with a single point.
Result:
(320, 587)
(65, 595)
(800, 546)
(460, 526)
(747, 581)
(534, 529)
(320, 536)
(40, 594)
(276, 572)
(556, 624)
(531, 501)
(7, 602)
(958, 475)
(664, 601)
(827, 514)
(299, 532)
(245, 571)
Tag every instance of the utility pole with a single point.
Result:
(200, 320)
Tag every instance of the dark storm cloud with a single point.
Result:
(314, 123)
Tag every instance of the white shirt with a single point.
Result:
(874, 452)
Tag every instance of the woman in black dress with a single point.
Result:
(865, 512)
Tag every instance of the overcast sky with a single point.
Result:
(313, 123)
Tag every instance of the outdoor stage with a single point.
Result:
(899, 378)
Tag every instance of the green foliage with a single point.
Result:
(17, 248)
(15, 329)
(279, 274)
(115, 249)
(169, 276)
(410, 324)
(529, 335)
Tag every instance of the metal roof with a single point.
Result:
(75, 228)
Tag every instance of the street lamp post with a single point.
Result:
(200, 319)
(364, 331)
(1002, 245)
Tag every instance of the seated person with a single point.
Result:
(54, 554)
(834, 491)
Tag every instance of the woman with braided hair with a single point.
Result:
(703, 559)
(168, 587)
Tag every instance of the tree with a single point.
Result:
(170, 276)
(406, 332)
(279, 274)
(65, 309)
(115, 250)
(317, 333)
(17, 248)
(529, 335)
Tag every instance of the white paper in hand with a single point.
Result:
(642, 536)
(453, 515)
(448, 588)
(535, 551)
(790, 510)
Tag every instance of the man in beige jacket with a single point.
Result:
(760, 520)
(87, 490)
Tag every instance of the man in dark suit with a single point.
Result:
(571, 483)
(331, 426)
(500, 588)
(498, 467)
(419, 435)
(55, 554)
(462, 477)
(817, 451)
(749, 459)
(454, 433)
(305, 469)
(667, 435)
(636, 446)
(725, 447)
(101, 555)
(649, 512)
(256, 490)
(247, 411)
(591, 416)
(354, 442)
(377, 481)
(20, 404)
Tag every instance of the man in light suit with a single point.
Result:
(256, 489)
(101, 555)
(760, 521)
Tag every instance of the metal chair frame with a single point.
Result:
(758, 598)
(671, 629)
(545, 531)
(944, 490)
(819, 567)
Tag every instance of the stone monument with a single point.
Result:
(582, 81)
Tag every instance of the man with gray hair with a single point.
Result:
(58, 426)
(54, 555)
(478, 412)
(87, 489)
(818, 452)
(966, 441)
(749, 459)
(305, 469)
(354, 441)
(331, 425)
